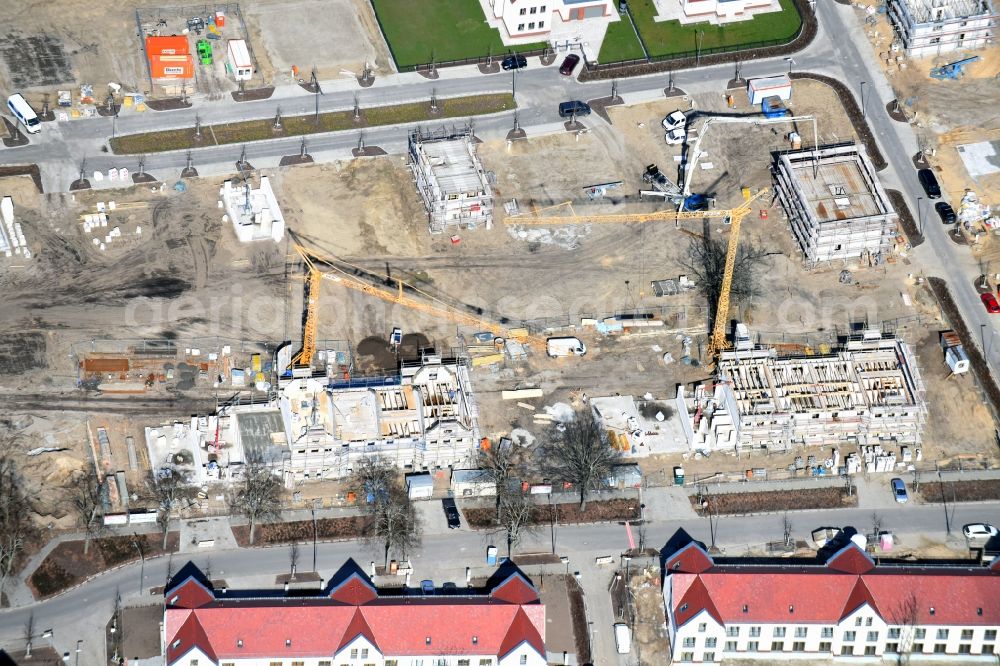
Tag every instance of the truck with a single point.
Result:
(238, 56)
(954, 352)
(623, 638)
(567, 346)
(773, 107)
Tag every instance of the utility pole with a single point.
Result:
(863, 99)
(920, 215)
(314, 538)
(314, 83)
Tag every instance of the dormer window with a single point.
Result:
(746, 609)
(174, 599)
(427, 641)
(239, 642)
(676, 565)
(475, 639)
(683, 607)
(791, 609)
(288, 642)
(176, 644)
(932, 610)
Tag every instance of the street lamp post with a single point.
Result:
(314, 538)
(790, 61)
(920, 215)
(142, 560)
(863, 99)
(701, 35)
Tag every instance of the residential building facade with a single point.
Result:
(350, 621)
(841, 609)
(724, 10)
(932, 27)
(561, 23)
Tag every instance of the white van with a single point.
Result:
(24, 113)
(565, 347)
(623, 638)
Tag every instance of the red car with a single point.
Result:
(990, 301)
(569, 64)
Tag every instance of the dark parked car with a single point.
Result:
(929, 182)
(451, 513)
(945, 212)
(514, 62)
(569, 64)
(567, 109)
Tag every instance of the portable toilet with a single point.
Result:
(678, 476)
(491, 556)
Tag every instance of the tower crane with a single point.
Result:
(309, 331)
(717, 342)
(427, 304)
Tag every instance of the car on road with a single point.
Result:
(675, 136)
(569, 63)
(899, 491)
(451, 513)
(674, 120)
(990, 301)
(945, 212)
(575, 107)
(979, 531)
(427, 586)
(514, 62)
(929, 182)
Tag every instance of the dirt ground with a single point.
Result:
(63, 44)
(649, 633)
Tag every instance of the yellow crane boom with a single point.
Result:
(431, 306)
(309, 331)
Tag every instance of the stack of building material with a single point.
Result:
(11, 235)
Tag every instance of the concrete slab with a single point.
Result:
(980, 159)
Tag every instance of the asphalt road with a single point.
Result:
(80, 613)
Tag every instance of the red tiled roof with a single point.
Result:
(190, 594)
(255, 628)
(690, 558)
(827, 594)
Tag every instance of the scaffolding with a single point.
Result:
(933, 27)
(451, 180)
(836, 206)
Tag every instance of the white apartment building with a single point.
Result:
(932, 27)
(423, 418)
(843, 609)
(577, 23)
(725, 11)
(351, 622)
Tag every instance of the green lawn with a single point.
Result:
(670, 37)
(440, 30)
(620, 43)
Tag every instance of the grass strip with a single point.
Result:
(333, 121)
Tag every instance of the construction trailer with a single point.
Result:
(867, 391)
(451, 180)
(836, 207)
(932, 27)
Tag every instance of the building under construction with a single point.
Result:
(932, 27)
(869, 391)
(451, 180)
(836, 206)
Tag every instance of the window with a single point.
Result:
(689, 641)
(193, 662)
(524, 659)
(687, 656)
(388, 662)
(868, 622)
(708, 656)
(520, 27)
(702, 627)
(920, 633)
(541, 24)
(531, 26)
(684, 607)
(354, 653)
(939, 648)
(801, 632)
(779, 632)
(463, 662)
(710, 642)
(846, 649)
(533, 10)
(894, 632)
(799, 646)
(482, 662)
(730, 646)
(824, 646)
(777, 646)
(754, 632)
(942, 634)
(872, 636)
(298, 663)
(869, 650)
(524, 11)
(990, 635)
(734, 631)
(892, 647)
(827, 632)
(988, 648)
(965, 648)
(753, 646)
(966, 634)
(849, 636)
(858, 620)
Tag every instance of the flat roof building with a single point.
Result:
(836, 206)
(451, 180)
(932, 27)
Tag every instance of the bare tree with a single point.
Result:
(16, 528)
(395, 525)
(259, 497)
(293, 558)
(905, 615)
(516, 518)
(497, 467)
(86, 496)
(375, 477)
(786, 528)
(170, 493)
(707, 261)
(575, 452)
(876, 519)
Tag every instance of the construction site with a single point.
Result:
(319, 313)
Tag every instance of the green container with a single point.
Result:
(205, 51)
